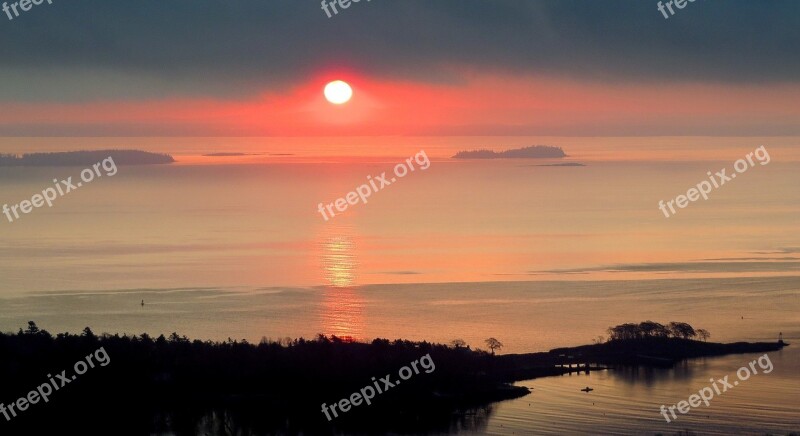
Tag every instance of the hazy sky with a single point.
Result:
(443, 67)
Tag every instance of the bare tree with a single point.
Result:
(703, 334)
(493, 344)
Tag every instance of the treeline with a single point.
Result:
(652, 329)
(171, 384)
(85, 158)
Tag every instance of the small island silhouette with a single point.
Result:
(531, 152)
(564, 164)
(225, 154)
(185, 387)
(84, 158)
(237, 154)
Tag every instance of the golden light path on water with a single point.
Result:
(342, 306)
(339, 262)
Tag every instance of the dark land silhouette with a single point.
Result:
(187, 387)
(532, 152)
(647, 343)
(178, 385)
(84, 158)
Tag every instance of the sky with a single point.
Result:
(417, 67)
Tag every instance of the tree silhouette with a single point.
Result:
(180, 386)
(681, 330)
(654, 329)
(458, 343)
(494, 344)
(651, 329)
(32, 328)
(703, 334)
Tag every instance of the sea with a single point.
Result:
(536, 254)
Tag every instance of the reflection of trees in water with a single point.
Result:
(473, 420)
(225, 422)
(651, 376)
(220, 423)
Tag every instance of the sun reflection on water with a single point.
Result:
(343, 313)
(342, 306)
(339, 262)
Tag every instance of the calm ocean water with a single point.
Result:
(258, 225)
(538, 257)
(628, 402)
(525, 316)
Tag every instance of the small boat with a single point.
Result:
(587, 389)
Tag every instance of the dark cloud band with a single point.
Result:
(84, 49)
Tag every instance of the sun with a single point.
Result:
(338, 92)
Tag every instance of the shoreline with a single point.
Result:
(650, 352)
(175, 379)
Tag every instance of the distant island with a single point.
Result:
(224, 154)
(565, 164)
(233, 154)
(176, 385)
(532, 152)
(84, 158)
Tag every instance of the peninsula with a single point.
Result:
(174, 384)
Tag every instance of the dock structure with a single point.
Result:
(578, 367)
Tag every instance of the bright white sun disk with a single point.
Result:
(338, 92)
